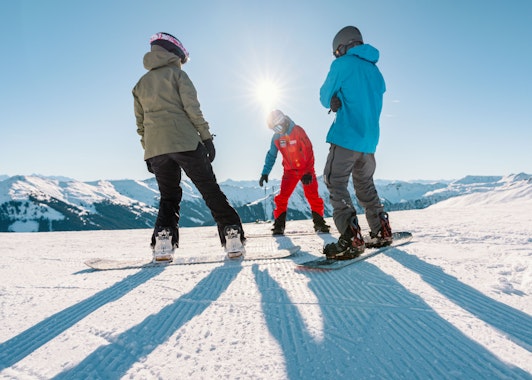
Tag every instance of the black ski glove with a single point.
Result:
(306, 179)
(335, 103)
(211, 152)
(148, 165)
(263, 178)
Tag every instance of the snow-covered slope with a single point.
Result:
(456, 303)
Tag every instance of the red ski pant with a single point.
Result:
(288, 184)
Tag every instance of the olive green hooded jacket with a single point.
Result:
(167, 110)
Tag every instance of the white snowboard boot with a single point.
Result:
(163, 250)
(234, 247)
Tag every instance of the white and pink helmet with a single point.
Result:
(170, 43)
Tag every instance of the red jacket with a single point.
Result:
(296, 149)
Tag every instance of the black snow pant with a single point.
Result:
(196, 164)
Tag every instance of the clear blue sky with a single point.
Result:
(458, 74)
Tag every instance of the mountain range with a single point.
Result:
(40, 203)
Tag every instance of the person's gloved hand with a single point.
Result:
(336, 103)
(148, 166)
(306, 179)
(209, 145)
(263, 178)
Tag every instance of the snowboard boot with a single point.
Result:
(319, 223)
(279, 224)
(234, 243)
(163, 245)
(383, 237)
(349, 246)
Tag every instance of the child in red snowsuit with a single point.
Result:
(298, 163)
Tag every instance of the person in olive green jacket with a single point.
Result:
(175, 136)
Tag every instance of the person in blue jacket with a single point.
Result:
(354, 90)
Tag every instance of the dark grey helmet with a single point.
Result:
(350, 35)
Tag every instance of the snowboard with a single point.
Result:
(399, 238)
(180, 259)
(287, 233)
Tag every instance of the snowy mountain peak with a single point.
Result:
(41, 203)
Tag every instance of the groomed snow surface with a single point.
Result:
(453, 304)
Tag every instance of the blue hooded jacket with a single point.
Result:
(355, 79)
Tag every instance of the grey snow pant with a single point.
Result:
(342, 163)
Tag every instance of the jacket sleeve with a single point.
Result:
(271, 156)
(309, 151)
(191, 105)
(139, 116)
(330, 87)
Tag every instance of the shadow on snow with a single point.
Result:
(376, 328)
(515, 324)
(25, 343)
(115, 359)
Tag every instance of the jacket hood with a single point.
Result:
(365, 52)
(159, 57)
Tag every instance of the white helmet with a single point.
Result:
(278, 121)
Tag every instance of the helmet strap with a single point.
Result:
(342, 49)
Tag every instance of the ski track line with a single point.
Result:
(469, 324)
(23, 344)
(515, 323)
(412, 332)
(27, 344)
(393, 329)
(296, 286)
(116, 359)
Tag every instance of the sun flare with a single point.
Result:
(267, 93)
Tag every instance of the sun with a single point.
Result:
(267, 93)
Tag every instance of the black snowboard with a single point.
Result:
(399, 238)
